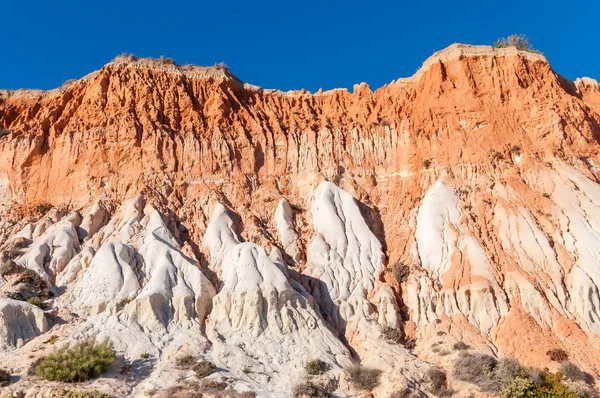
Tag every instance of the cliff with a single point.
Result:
(261, 229)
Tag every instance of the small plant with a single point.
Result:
(521, 42)
(28, 276)
(310, 390)
(437, 383)
(392, 335)
(221, 65)
(145, 355)
(213, 385)
(546, 195)
(363, 378)
(518, 387)
(8, 267)
(460, 346)
(4, 378)
(35, 301)
(185, 361)
(204, 369)
(43, 208)
(80, 362)
(441, 333)
(316, 367)
(246, 371)
(426, 163)
(557, 355)
(400, 272)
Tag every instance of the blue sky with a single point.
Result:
(284, 44)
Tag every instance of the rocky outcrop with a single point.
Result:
(19, 323)
(196, 214)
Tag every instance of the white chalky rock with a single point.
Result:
(259, 313)
(285, 226)
(344, 259)
(50, 252)
(19, 323)
(436, 228)
(109, 278)
(344, 262)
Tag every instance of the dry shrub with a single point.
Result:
(572, 372)
(310, 390)
(557, 354)
(185, 361)
(400, 271)
(4, 378)
(393, 335)
(460, 346)
(477, 369)
(437, 383)
(316, 367)
(363, 378)
(204, 369)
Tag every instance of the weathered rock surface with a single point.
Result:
(194, 214)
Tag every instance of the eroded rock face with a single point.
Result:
(19, 323)
(256, 229)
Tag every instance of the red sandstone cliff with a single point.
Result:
(479, 173)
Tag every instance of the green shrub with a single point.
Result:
(204, 369)
(4, 378)
(316, 367)
(35, 301)
(363, 378)
(392, 335)
(437, 383)
(518, 387)
(521, 42)
(80, 362)
(310, 390)
(554, 387)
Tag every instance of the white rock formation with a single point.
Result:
(259, 319)
(19, 323)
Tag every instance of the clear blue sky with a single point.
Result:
(284, 44)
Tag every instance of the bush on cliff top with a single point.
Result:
(521, 42)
